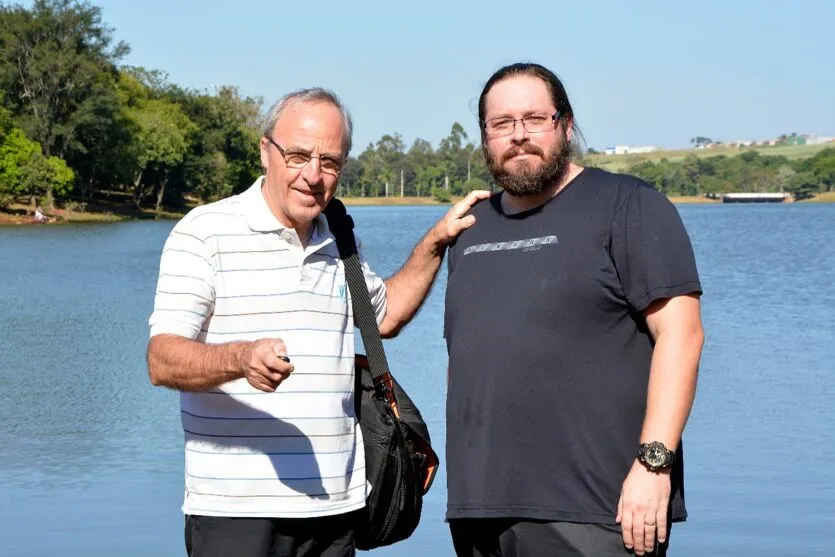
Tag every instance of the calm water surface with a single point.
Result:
(91, 457)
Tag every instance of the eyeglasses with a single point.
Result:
(300, 159)
(533, 123)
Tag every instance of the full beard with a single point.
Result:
(529, 180)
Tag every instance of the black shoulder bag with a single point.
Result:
(399, 459)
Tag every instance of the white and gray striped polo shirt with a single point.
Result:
(229, 272)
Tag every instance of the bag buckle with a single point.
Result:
(383, 386)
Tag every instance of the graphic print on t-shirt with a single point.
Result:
(529, 244)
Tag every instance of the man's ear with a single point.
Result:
(569, 129)
(264, 145)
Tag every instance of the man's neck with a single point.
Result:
(304, 232)
(512, 204)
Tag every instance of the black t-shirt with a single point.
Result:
(549, 355)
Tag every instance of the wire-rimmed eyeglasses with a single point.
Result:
(537, 122)
(300, 159)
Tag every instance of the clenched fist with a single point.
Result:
(266, 364)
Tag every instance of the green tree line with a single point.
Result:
(77, 125)
(749, 171)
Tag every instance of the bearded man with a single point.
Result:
(573, 327)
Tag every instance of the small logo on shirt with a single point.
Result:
(530, 244)
(343, 292)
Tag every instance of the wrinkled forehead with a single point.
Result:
(517, 95)
(312, 124)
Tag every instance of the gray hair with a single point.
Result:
(312, 95)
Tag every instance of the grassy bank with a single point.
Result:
(828, 197)
(620, 163)
(98, 211)
(692, 200)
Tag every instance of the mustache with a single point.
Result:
(526, 148)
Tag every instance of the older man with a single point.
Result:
(574, 336)
(252, 323)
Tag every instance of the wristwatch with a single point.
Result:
(655, 456)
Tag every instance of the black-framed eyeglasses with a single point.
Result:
(537, 122)
(300, 159)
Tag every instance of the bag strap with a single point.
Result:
(342, 227)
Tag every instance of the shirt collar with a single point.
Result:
(256, 211)
(321, 235)
(260, 218)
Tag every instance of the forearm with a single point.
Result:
(672, 385)
(187, 365)
(408, 288)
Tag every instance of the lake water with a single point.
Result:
(91, 457)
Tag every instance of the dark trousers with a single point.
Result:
(508, 537)
(214, 536)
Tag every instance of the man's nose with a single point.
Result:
(520, 134)
(312, 172)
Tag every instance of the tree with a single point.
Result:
(418, 159)
(54, 57)
(159, 145)
(372, 166)
(227, 129)
(440, 194)
(700, 141)
(454, 141)
(691, 174)
(803, 186)
(822, 166)
(15, 153)
(785, 176)
(100, 152)
(349, 178)
(25, 171)
(454, 154)
(713, 185)
(207, 175)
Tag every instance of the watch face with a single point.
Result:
(655, 455)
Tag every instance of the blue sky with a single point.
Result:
(637, 73)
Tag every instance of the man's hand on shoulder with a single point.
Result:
(266, 364)
(456, 220)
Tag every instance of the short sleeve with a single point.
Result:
(651, 249)
(452, 256)
(376, 286)
(185, 294)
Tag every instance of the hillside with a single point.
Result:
(620, 163)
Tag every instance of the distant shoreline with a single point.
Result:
(63, 216)
(828, 197)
